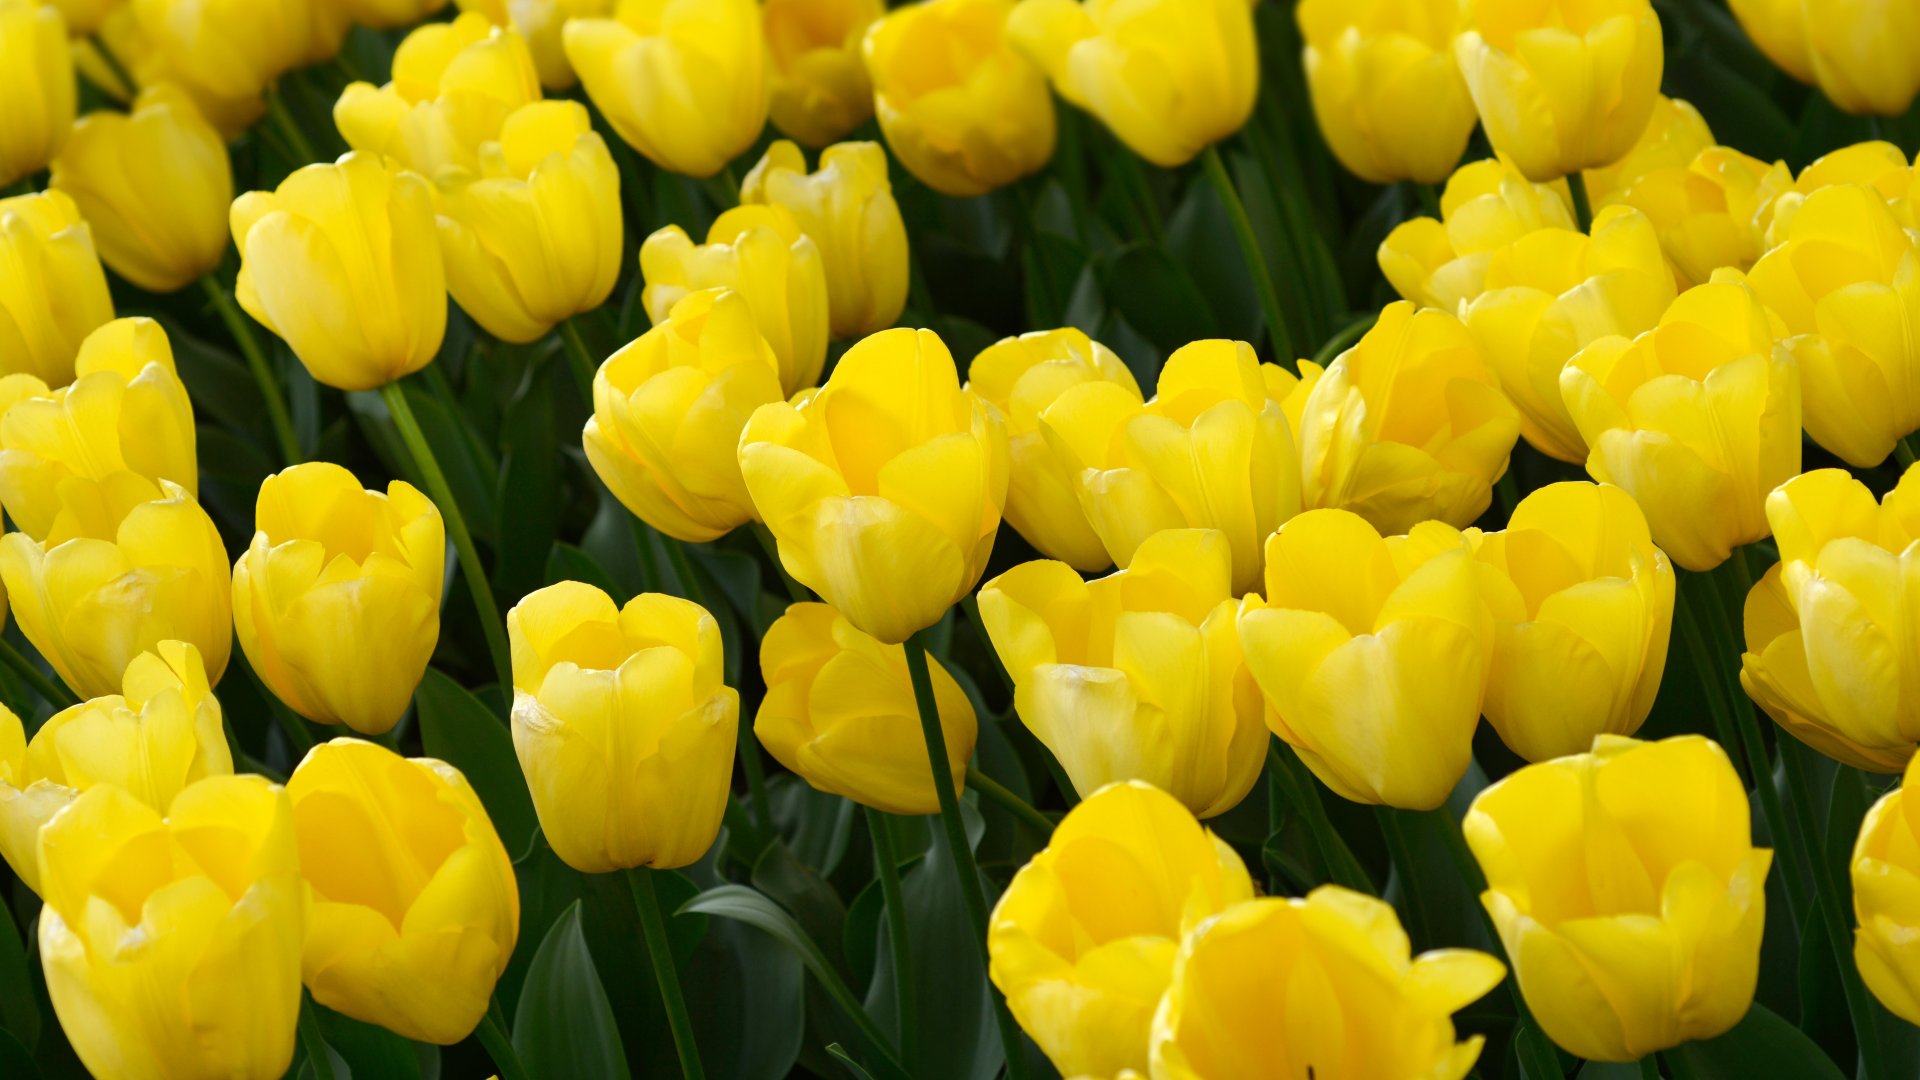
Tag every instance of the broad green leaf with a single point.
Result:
(746, 996)
(15, 1061)
(1761, 1045)
(367, 1051)
(19, 1011)
(563, 1026)
(456, 728)
(530, 492)
(568, 563)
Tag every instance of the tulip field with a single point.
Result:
(958, 539)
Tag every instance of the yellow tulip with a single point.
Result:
(960, 107)
(1022, 376)
(821, 91)
(52, 290)
(884, 489)
(1673, 136)
(159, 736)
(412, 906)
(668, 410)
(1886, 886)
(1083, 940)
(454, 85)
(1135, 676)
(1486, 206)
(1406, 426)
(1385, 87)
(36, 82)
(233, 50)
(1846, 281)
(535, 237)
(1554, 292)
(388, 14)
(1372, 654)
(171, 945)
(1337, 988)
(139, 62)
(1170, 77)
(1212, 450)
(1830, 652)
(1698, 419)
(761, 253)
(846, 207)
(337, 599)
(1625, 884)
(840, 712)
(342, 261)
(1881, 166)
(1853, 50)
(542, 23)
(682, 81)
(83, 16)
(623, 725)
(125, 566)
(1711, 212)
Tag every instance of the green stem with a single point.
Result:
(796, 592)
(442, 494)
(1903, 452)
(1133, 181)
(289, 129)
(653, 926)
(1303, 794)
(1649, 1068)
(1003, 797)
(1582, 206)
(52, 693)
(256, 357)
(756, 771)
(1411, 900)
(493, 1036)
(729, 186)
(1678, 1067)
(970, 604)
(1509, 492)
(580, 360)
(1250, 250)
(886, 864)
(1429, 200)
(120, 75)
(683, 569)
(314, 1041)
(973, 898)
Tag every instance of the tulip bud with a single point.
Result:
(36, 82)
(389, 14)
(1331, 974)
(52, 290)
(171, 946)
(535, 238)
(337, 599)
(234, 49)
(542, 24)
(1372, 654)
(1886, 892)
(884, 489)
(1674, 134)
(154, 740)
(1486, 206)
(1712, 212)
(668, 410)
(342, 262)
(1406, 426)
(761, 253)
(1626, 887)
(140, 62)
(821, 91)
(1698, 419)
(959, 106)
(125, 566)
(454, 85)
(413, 908)
(1881, 166)
(1854, 52)
(1212, 450)
(847, 209)
(1562, 85)
(623, 725)
(1552, 293)
(1083, 940)
(840, 712)
(1385, 87)
(1152, 652)
(682, 81)
(1022, 376)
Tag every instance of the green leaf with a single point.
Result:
(530, 490)
(456, 728)
(564, 1026)
(548, 887)
(366, 1049)
(802, 891)
(1159, 297)
(1761, 1045)
(747, 1002)
(15, 1062)
(818, 826)
(840, 1054)
(19, 1011)
(568, 563)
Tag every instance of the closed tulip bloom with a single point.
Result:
(1340, 995)
(171, 944)
(535, 236)
(235, 49)
(1406, 426)
(412, 906)
(125, 566)
(1886, 886)
(1372, 654)
(668, 409)
(1879, 165)
(1554, 292)
(454, 85)
(342, 262)
(761, 253)
(1853, 50)
(140, 62)
(885, 488)
(1385, 87)
(36, 82)
(1673, 135)
(1625, 884)
(337, 599)
(960, 107)
(821, 90)
(388, 14)
(623, 725)
(159, 736)
(1698, 419)
(840, 712)
(1562, 85)
(1712, 212)
(682, 81)
(1137, 675)
(1082, 942)
(1022, 376)
(1487, 205)
(846, 207)
(52, 290)
(542, 23)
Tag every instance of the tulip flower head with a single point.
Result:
(36, 82)
(821, 90)
(1886, 886)
(233, 50)
(1487, 205)
(846, 207)
(52, 290)
(83, 17)
(1853, 52)
(1877, 164)
(1673, 135)
(542, 24)
(1712, 212)
(1385, 86)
